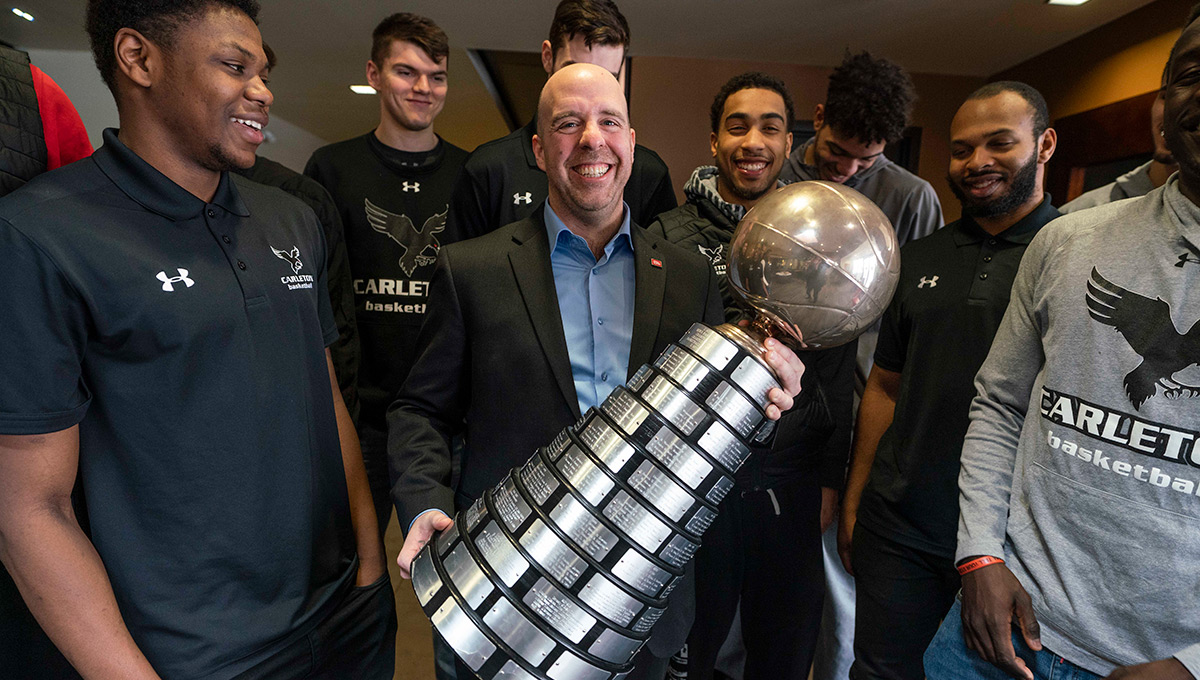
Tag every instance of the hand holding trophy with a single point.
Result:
(560, 570)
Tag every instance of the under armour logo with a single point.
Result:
(414, 187)
(926, 281)
(1184, 258)
(169, 282)
(292, 257)
(519, 198)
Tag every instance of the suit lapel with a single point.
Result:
(530, 260)
(649, 284)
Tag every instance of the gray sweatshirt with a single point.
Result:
(1132, 184)
(1081, 466)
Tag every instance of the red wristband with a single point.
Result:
(978, 563)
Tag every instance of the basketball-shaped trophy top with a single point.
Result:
(818, 259)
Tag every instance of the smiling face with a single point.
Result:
(1181, 110)
(211, 99)
(750, 145)
(584, 143)
(411, 86)
(995, 159)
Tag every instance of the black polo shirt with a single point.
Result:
(953, 290)
(186, 341)
(501, 183)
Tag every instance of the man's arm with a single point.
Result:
(922, 215)
(55, 566)
(428, 411)
(362, 510)
(874, 418)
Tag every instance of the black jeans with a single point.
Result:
(902, 595)
(764, 548)
(357, 641)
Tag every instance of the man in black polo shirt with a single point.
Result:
(501, 182)
(901, 502)
(392, 189)
(170, 318)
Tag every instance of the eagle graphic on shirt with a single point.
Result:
(1147, 326)
(292, 257)
(401, 229)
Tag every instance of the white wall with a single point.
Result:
(76, 74)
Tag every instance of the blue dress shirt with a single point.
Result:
(595, 301)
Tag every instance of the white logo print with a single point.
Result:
(414, 187)
(292, 257)
(168, 282)
(520, 198)
(926, 281)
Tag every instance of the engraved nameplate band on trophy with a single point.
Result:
(560, 571)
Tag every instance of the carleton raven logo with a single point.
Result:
(1147, 326)
(401, 230)
(292, 257)
(716, 256)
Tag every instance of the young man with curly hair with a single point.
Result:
(867, 107)
(172, 321)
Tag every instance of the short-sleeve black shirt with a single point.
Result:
(953, 290)
(186, 341)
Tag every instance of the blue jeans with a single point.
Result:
(949, 659)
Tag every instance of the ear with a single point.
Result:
(788, 144)
(137, 58)
(538, 153)
(818, 116)
(632, 143)
(1046, 145)
(548, 57)
(373, 74)
(712, 143)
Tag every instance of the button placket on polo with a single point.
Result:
(220, 225)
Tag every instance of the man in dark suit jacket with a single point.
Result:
(500, 357)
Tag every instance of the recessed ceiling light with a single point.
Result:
(362, 89)
(1071, 3)
(22, 13)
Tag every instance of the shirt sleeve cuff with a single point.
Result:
(978, 547)
(1190, 658)
(423, 512)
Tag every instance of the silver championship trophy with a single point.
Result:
(560, 571)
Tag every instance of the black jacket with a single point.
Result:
(813, 438)
(492, 363)
(21, 136)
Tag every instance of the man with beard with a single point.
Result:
(540, 320)
(392, 189)
(1077, 541)
(901, 504)
(765, 545)
(171, 320)
(1141, 180)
